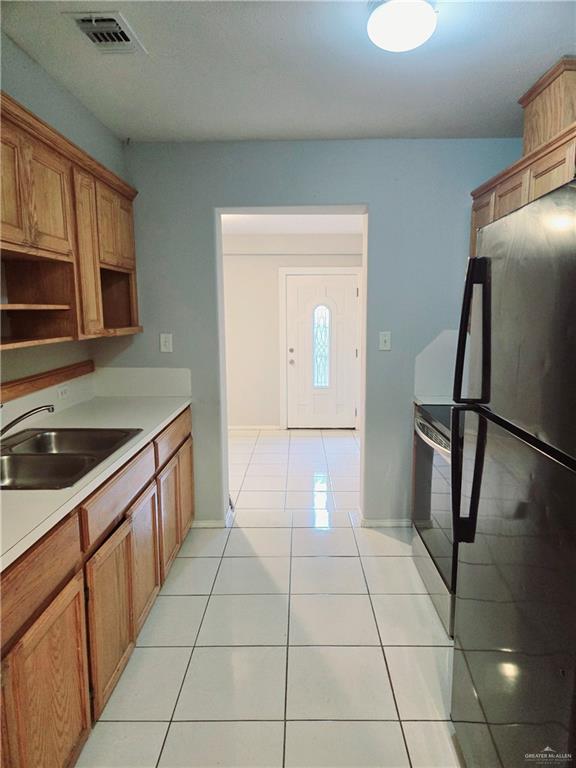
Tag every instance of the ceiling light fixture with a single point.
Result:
(401, 25)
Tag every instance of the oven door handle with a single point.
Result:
(444, 452)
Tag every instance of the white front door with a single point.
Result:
(322, 350)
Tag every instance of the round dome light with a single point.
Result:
(401, 25)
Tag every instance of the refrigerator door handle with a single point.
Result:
(477, 274)
(464, 527)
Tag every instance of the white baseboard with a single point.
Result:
(234, 427)
(385, 523)
(210, 524)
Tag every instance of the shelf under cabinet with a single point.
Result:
(22, 343)
(33, 307)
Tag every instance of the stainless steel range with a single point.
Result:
(435, 552)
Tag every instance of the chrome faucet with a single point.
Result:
(49, 408)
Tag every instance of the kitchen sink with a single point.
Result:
(43, 472)
(90, 441)
(43, 459)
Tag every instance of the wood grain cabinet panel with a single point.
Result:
(50, 199)
(125, 229)
(552, 170)
(106, 506)
(171, 438)
(37, 575)
(186, 480)
(45, 695)
(106, 205)
(511, 194)
(482, 214)
(110, 613)
(169, 514)
(145, 554)
(88, 263)
(14, 229)
(115, 227)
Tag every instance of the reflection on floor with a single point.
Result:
(294, 638)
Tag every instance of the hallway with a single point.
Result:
(293, 638)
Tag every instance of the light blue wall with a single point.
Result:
(417, 192)
(33, 87)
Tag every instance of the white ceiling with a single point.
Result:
(292, 224)
(286, 70)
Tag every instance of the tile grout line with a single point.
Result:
(245, 472)
(288, 625)
(192, 651)
(383, 651)
(384, 657)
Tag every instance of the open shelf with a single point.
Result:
(22, 343)
(118, 301)
(33, 307)
(38, 302)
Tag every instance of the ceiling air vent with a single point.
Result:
(109, 31)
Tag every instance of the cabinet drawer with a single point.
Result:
(37, 576)
(168, 441)
(99, 513)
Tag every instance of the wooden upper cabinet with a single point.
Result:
(115, 228)
(110, 613)
(169, 514)
(511, 194)
(186, 481)
(88, 263)
(550, 104)
(125, 219)
(552, 170)
(145, 554)
(51, 220)
(45, 695)
(14, 229)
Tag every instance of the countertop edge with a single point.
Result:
(125, 453)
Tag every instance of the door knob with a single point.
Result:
(291, 349)
(291, 362)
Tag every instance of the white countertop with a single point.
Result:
(438, 400)
(25, 516)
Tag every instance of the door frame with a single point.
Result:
(283, 274)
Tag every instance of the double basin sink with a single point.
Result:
(47, 459)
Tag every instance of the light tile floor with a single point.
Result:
(294, 638)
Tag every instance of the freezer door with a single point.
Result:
(522, 356)
(513, 689)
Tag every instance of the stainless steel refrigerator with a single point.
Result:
(514, 492)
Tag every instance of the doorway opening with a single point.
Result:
(293, 326)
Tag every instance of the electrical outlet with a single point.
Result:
(385, 343)
(166, 342)
(62, 392)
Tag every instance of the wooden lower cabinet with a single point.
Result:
(169, 514)
(145, 554)
(110, 613)
(186, 480)
(45, 695)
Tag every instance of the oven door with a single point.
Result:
(434, 550)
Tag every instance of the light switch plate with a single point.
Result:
(166, 342)
(385, 343)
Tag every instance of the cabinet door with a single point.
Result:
(14, 229)
(145, 554)
(125, 232)
(482, 214)
(46, 706)
(553, 170)
(50, 199)
(107, 237)
(87, 256)
(169, 514)
(511, 194)
(186, 478)
(110, 613)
